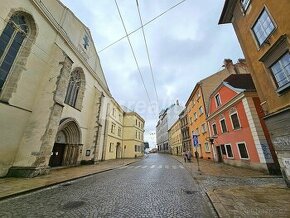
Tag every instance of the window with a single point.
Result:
(245, 4)
(206, 147)
(119, 131)
(281, 70)
(229, 151)
(136, 148)
(223, 125)
(113, 112)
(263, 27)
(111, 147)
(214, 129)
(200, 110)
(218, 100)
(136, 134)
(113, 127)
(203, 128)
(190, 120)
(136, 122)
(243, 151)
(73, 95)
(195, 116)
(223, 150)
(235, 121)
(11, 40)
(139, 136)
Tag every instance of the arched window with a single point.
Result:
(75, 90)
(11, 40)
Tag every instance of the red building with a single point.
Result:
(235, 120)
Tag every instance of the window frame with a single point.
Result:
(256, 21)
(224, 119)
(214, 124)
(237, 144)
(200, 109)
(220, 100)
(207, 147)
(245, 6)
(287, 85)
(231, 151)
(240, 126)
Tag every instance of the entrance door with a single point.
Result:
(118, 151)
(219, 153)
(57, 155)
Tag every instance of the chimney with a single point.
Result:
(228, 64)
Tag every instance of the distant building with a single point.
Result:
(186, 139)
(167, 118)
(235, 119)
(197, 104)
(114, 132)
(146, 145)
(175, 139)
(263, 30)
(133, 136)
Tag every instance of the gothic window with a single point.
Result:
(75, 90)
(11, 40)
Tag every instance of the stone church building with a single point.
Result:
(53, 92)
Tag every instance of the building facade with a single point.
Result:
(53, 92)
(240, 134)
(175, 139)
(186, 141)
(167, 118)
(197, 104)
(133, 136)
(114, 132)
(263, 29)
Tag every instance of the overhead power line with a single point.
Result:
(132, 51)
(147, 51)
(150, 21)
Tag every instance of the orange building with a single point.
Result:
(197, 104)
(240, 136)
(263, 30)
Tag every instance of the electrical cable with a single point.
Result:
(133, 51)
(147, 51)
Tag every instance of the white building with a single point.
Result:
(53, 93)
(167, 118)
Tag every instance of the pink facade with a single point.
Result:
(240, 136)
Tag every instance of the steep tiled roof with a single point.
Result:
(241, 81)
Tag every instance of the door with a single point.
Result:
(56, 157)
(219, 153)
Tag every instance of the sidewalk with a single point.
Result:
(14, 186)
(210, 168)
(240, 194)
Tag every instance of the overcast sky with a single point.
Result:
(185, 45)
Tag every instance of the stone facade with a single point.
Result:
(40, 128)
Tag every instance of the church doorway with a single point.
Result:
(67, 145)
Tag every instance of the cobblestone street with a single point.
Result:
(157, 186)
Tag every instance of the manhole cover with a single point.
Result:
(73, 204)
(189, 192)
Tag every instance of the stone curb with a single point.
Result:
(217, 205)
(64, 181)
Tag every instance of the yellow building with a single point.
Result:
(133, 136)
(114, 132)
(175, 139)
